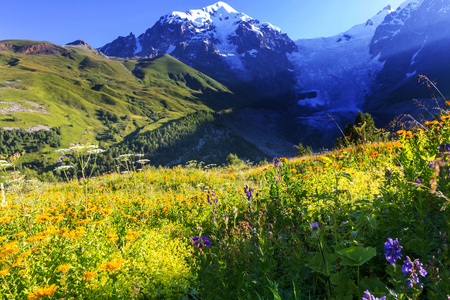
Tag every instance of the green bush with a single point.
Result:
(233, 160)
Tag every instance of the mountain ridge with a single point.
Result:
(220, 42)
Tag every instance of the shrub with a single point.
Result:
(234, 160)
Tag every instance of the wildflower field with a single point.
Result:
(364, 222)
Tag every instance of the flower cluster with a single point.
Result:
(368, 296)
(413, 269)
(248, 192)
(43, 292)
(200, 242)
(113, 265)
(443, 148)
(276, 162)
(392, 251)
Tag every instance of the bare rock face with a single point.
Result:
(84, 45)
(220, 42)
(45, 48)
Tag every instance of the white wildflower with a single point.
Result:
(62, 168)
(143, 161)
(96, 151)
(62, 151)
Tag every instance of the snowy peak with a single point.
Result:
(380, 16)
(219, 41)
(392, 24)
(367, 30)
(220, 14)
(220, 7)
(403, 12)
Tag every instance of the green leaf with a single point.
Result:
(317, 262)
(356, 256)
(428, 158)
(344, 287)
(326, 159)
(374, 285)
(346, 176)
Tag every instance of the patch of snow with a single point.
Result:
(274, 28)
(313, 102)
(252, 52)
(444, 9)
(170, 49)
(411, 74)
(413, 59)
(138, 46)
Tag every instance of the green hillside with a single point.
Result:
(94, 98)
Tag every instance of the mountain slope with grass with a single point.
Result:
(367, 221)
(92, 98)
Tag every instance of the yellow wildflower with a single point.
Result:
(112, 265)
(112, 237)
(64, 268)
(85, 221)
(4, 220)
(89, 275)
(21, 257)
(42, 292)
(4, 272)
(20, 234)
(8, 248)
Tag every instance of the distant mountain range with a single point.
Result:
(370, 67)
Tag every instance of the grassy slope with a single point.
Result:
(73, 83)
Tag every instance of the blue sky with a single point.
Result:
(99, 22)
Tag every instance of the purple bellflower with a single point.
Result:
(368, 296)
(392, 251)
(413, 269)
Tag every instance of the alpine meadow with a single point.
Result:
(212, 157)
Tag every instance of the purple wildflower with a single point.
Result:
(413, 269)
(392, 250)
(314, 226)
(368, 296)
(276, 162)
(200, 242)
(443, 148)
(248, 192)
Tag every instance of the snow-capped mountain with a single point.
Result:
(373, 67)
(218, 41)
(413, 40)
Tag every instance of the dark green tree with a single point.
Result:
(302, 151)
(363, 131)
